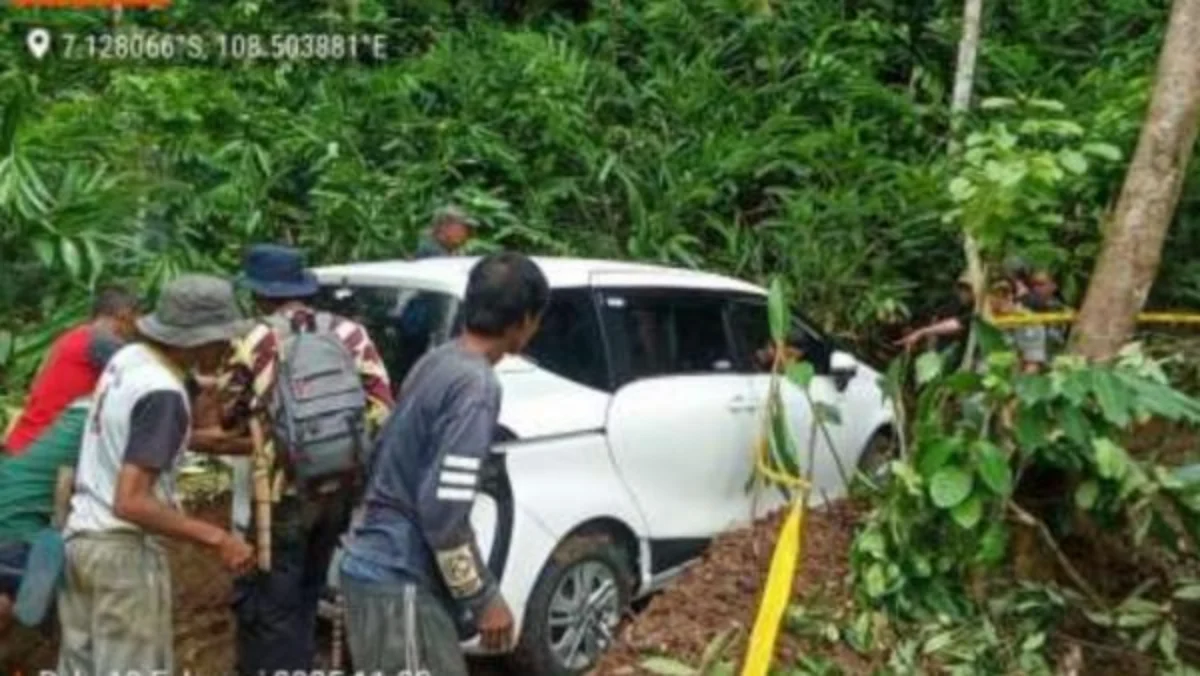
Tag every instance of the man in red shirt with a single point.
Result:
(73, 365)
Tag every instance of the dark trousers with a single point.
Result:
(400, 629)
(277, 610)
(13, 555)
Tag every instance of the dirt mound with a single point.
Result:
(722, 592)
(203, 623)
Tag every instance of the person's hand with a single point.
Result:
(496, 625)
(206, 408)
(237, 556)
(909, 340)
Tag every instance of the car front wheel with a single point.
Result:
(575, 607)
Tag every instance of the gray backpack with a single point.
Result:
(319, 407)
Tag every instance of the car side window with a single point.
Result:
(569, 342)
(661, 334)
(752, 336)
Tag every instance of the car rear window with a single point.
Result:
(402, 322)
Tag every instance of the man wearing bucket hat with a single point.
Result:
(276, 608)
(451, 229)
(115, 606)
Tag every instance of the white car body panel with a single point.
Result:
(666, 457)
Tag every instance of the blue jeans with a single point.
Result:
(13, 556)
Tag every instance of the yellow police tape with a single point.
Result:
(1038, 318)
(778, 588)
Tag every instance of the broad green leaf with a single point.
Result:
(968, 512)
(1032, 388)
(1031, 428)
(996, 103)
(950, 486)
(1189, 592)
(1114, 399)
(801, 373)
(939, 642)
(961, 189)
(1034, 642)
(777, 311)
(1073, 161)
(45, 252)
(929, 367)
(1111, 461)
(1048, 104)
(994, 543)
(1104, 150)
(933, 455)
(1075, 425)
(871, 542)
(993, 467)
(876, 580)
(990, 338)
(1086, 494)
(665, 666)
(6, 346)
(1168, 641)
(70, 257)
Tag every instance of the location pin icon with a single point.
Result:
(38, 42)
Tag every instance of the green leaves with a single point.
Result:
(994, 469)
(950, 486)
(1086, 494)
(801, 373)
(929, 366)
(777, 311)
(1111, 461)
(968, 512)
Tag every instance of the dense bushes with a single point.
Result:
(804, 138)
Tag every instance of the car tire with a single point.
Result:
(878, 454)
(592, 562)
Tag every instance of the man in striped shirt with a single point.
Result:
(277, 609)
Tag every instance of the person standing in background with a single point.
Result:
(451, 230)
(73, 365)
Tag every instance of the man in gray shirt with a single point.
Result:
(414, 582)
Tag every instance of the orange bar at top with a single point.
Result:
(91, 4)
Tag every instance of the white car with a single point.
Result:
(626, 430)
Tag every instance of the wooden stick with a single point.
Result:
(339, 617)
(262, 494)
(64, 488)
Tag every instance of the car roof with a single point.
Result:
(449, 274)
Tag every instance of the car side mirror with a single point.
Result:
(843, 367)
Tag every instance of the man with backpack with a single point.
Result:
(316, 388)
(413, 578)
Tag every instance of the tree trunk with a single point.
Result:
(1134, 236)
(960, 102)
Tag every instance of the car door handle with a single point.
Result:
(743, 404)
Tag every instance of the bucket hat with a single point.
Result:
(194, 310)
(274, 271)
(452, 213)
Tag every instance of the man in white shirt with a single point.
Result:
(115, 607)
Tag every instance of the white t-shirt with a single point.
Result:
(140, 415)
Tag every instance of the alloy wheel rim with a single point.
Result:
(584, 610)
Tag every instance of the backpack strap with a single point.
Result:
(323, 322)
